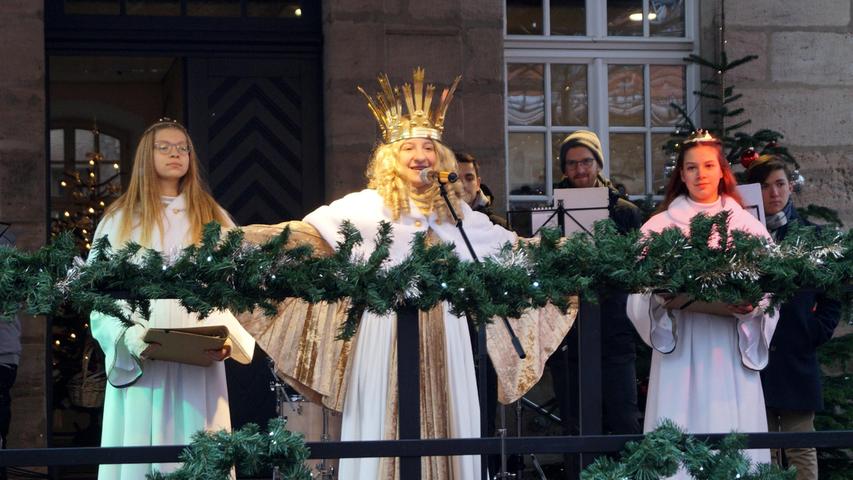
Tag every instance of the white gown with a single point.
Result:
(150, 402)
(364, 412)
(705, 368)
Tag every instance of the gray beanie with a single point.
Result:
(581, 138)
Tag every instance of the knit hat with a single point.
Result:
(581, 138)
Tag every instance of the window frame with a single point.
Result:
(597, 51)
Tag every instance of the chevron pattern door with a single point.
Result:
(257, 127)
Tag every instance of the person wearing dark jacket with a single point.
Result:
(581, 161)
(791, 381)
(475, 193)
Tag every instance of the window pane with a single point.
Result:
(526, 94)
(568, 17)
(526, 163)
(659, 158)
(569, 96)
(625, 18)
(154, 7)
(524, 17)
(110, 148)
(625, 94)
(57, 174)
(666, 18)
(667, 87)
(57, 145)
(275, 8)
(84, 143)
(556, 140)
(92, 7)
(213, 8)
(627, 162)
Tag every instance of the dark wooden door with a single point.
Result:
(257, 127)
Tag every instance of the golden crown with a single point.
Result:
(701, 136)
(421, 121)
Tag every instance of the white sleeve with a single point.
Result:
(755, 330)
(656, 325)
(121, 344)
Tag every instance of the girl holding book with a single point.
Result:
(155, 402)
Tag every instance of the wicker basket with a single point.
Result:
(86, 389)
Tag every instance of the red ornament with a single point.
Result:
(748, 156)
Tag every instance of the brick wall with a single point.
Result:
(22, 190)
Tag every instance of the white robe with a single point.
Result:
(705, 368)
(364, 406)
(149, 402)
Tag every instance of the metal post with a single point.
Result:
(589, 373)
(408, 385)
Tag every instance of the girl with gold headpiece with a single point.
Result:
(704, 373)
(359, 376)
(150, 402)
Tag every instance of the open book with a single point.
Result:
(190, 344)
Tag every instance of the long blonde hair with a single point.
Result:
(141, 205)
(383, 176)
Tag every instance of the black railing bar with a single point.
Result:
(414, 448)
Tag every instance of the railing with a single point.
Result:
(410, 448)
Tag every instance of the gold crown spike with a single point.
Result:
(420, 121)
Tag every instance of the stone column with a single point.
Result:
(801, 86)
(23, 201)
(447, 38)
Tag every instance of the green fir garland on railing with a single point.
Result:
(229, 273)
(250, 451)
(664, 450)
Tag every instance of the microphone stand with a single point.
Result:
(515, 341)
(481, 346)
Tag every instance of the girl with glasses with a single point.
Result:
(156, 402)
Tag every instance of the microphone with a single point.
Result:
(430, 176)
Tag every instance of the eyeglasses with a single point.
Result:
(166, 147)
(573, 164)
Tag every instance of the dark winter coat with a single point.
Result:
(791, 380)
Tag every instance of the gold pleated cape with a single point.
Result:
(301, 340)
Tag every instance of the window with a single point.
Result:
(84, 176)
(612, 67)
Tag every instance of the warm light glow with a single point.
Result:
(88, 247)
(73, 335)
(298, 12)
(115, 165)
(56, 342)
(67, 214)
(91, 210)
(102, 204)
(91, 162)
(638, 17)
(63, 183)
(92, 174)
(85, 231)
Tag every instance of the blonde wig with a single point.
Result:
(384, 177)
(142, 206)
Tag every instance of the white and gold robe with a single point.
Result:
(359, 376)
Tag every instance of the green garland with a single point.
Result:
(251, 452)
(211, 455)
(232, 274)
(663, 451)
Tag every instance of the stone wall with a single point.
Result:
(447, 38)
(22, 190)
(801, 86)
